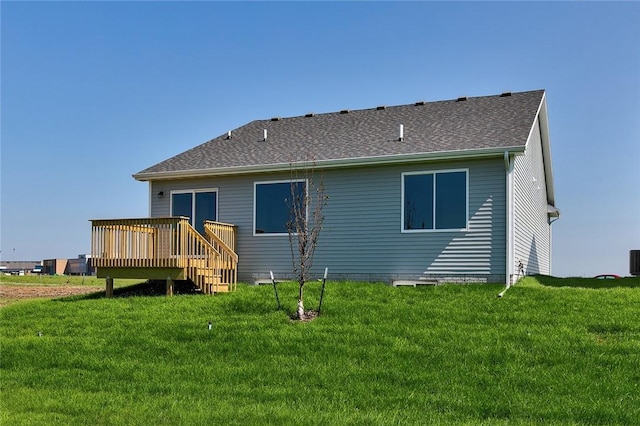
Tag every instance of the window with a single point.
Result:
(434, 200)
(272, 205)
(197, 205)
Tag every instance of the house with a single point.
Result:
(454, 190)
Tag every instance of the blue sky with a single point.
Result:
(94, 92)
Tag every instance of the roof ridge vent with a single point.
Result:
(344, 111)
(276, 119)
(505, 94)
(311, 114)
(420, 103)
(461, 99)
(381, 107)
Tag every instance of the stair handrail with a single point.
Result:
(225, 247)
(211, 272)
(229, 258)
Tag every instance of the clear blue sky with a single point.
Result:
(94, 92)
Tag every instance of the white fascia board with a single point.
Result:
(552, 211)
(326, 164)
(546, 152)
(542, 117)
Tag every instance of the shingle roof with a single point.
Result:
(464, 124)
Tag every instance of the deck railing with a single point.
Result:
(136, 243)
(222, 237)
(169, 242)
(224, 231)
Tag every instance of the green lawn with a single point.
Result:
(542, 354)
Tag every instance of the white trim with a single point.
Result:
(546, 152)
(150, 199)
(193, 192)
(267, 182)
(334, 163)
(541, 122)
(535, 121)
(509, 243)
(434, 173)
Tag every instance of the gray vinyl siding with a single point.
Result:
(532, 232)
(362, 237)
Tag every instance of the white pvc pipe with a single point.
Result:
(505, 290)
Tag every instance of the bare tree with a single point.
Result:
(304, 225)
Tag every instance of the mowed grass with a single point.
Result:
(377, 355)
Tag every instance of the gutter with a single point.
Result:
(508, 165)
(333, 163)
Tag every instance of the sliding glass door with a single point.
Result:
(197, 205)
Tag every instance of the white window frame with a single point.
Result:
(434, 173)
(267, 182)
(193, 192)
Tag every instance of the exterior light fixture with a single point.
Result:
(161, 194)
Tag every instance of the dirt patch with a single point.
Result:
(308, 316)
(34, 292)
(12, 293)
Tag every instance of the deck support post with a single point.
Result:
(169, 286)
(109, 290)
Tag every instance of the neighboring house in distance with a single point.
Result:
(18, 267)
(54, 266)
(79, 266)
(455, 190)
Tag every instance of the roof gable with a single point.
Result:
(446, 128)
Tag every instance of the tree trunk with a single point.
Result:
(300, 301)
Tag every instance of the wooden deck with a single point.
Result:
(166, 249)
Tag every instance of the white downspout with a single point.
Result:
(508, 164)
(150, 199)
(551, 243)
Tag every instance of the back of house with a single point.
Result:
(455, 190)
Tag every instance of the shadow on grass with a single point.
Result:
(548, 281)
(144, 289)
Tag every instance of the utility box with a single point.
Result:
(634, 262)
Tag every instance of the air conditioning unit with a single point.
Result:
(634, 262)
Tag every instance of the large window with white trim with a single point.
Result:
(198, 205)
(272, 205)
(435, 201)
